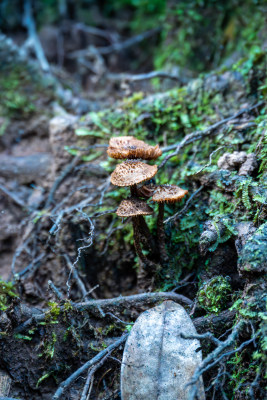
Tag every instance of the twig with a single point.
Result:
(60, 179)
(100, 214)
(173, 217)
(115, 303)
(15, 198)
(29, 23)
(80, 283)
(118, 319)
(133, 300)
(31, 265)
(7, 398)
(254, 383)
(73, 271)
(91, 291)
(142, 77)
(205, 336)
(210, 158)
(213, 321)
(216, 356)
(93, 146)
(197, 135)
(84, 203)
(96, 31)
(90, 376)
(65, 384)
(117, 47)
(55, 290)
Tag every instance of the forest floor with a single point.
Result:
(65, 255)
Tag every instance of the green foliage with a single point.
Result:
(48, 347)
(213, 295)
(18, 336)
(15, 95)
(43, 377)
(7, 293)
(51, 316)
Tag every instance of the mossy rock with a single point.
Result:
(253, 256)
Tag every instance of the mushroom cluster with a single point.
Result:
(137, 175)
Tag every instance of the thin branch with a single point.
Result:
(13, 197)
(142, 77)
(197, 135)
(65, 384)
(205, 336)
(187, 204)
(210, 157)
(90, 376)
(96, 31)
(117, 47)
(55, 290)
(217, 355)
(93, 146)
(134, 300)
(66, 171)
(30, 266)
(115, 303)
(29, 23)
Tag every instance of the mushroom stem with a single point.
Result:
(133, 189)
(146, 232)
(161, 235)
(147, 263)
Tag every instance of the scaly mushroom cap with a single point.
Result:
(133, 207)
(168, 194)
(132, 172)
(128, 147)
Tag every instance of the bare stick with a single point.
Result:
(210, 158)
(197, 135)
(90, 376)
(134, 300)
(29, 23)
(213, 321)
(117, 47)
(13, 197)
(65, 384)
(142, 77)
(55, 290)
(217, 355)
(60, 179)
(205, 336)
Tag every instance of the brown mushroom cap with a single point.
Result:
(132, 172)
(128, 147)
(133, 207)
(168, 194)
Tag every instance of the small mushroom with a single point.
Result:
(165, 194)
(136, 209)
(131, 172)
(131, 148)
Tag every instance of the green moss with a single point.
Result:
(16, 95)
(213, 295)
(7, 293)
(48, 346)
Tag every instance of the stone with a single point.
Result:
(157, 362)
